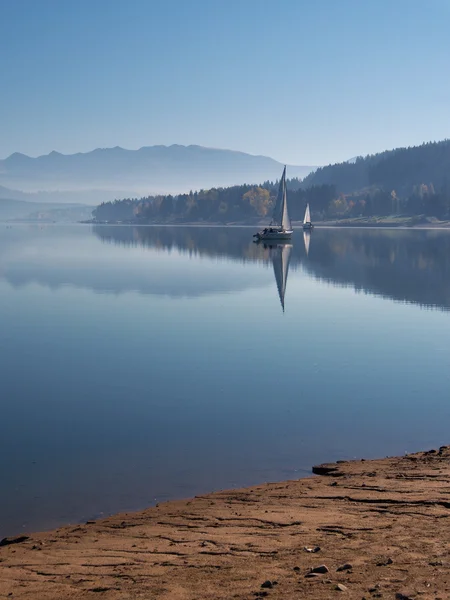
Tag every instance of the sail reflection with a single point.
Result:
(280, 254)
(307, 241)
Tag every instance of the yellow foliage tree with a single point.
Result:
(259, 198)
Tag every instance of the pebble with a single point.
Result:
(345, 567)
(320, 569)
(315, 549)
(341, 588)
(384, 563)
(324, 469)
(267, 584)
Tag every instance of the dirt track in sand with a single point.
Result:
(387, 520)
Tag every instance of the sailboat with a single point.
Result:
(281, 256)
(280, 226)
(307, 219)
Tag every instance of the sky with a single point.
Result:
(307, 82)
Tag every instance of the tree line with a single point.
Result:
(240, 203)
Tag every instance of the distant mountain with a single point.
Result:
(149, 170)
(11, 210)
(86, 196)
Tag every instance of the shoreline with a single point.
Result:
(381, 527)
(297, 225)
(344, 224)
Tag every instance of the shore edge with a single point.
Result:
(364, 528)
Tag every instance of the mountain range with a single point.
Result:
(108, 173)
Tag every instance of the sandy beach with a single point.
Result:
(364, 529)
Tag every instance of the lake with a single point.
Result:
(141, 364)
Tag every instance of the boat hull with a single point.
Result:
(308, 226)
(273, 235)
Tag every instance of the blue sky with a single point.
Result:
(306, 82)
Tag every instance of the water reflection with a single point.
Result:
(408, 265)
(58, 257)
(307, 241)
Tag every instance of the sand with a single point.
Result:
(380, 529)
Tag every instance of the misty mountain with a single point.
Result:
(149, 170)
(85, 196)
(11, 210)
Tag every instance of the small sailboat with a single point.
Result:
(307, 218)
(280, 226)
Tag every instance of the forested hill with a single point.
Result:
(401, 170)
(412, 182)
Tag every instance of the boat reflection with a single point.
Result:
(307, 240)
(280, 254)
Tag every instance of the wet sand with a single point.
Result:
(378, 529)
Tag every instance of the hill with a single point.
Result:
(400, 169)
(411, 181)
(149, 170)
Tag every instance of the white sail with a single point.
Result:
(280, 217)
(285, 220)
(281, 257)
(277, 216)
(307, 218)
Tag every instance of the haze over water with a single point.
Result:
(143, 364)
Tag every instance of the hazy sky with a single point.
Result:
(306, 82)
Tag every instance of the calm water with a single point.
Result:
(142, 364)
